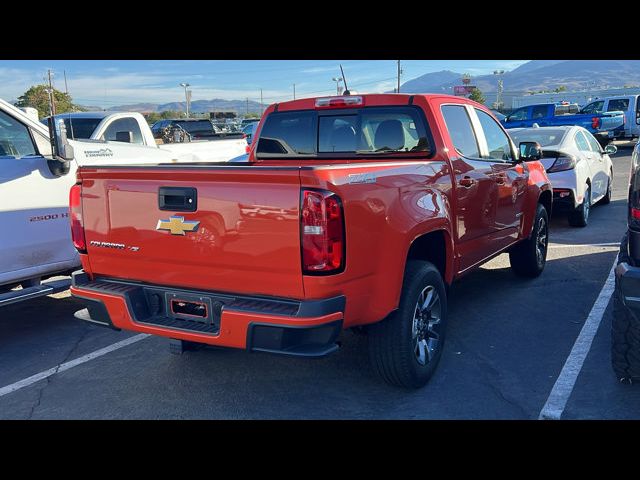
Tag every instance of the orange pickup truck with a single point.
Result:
(351, 211)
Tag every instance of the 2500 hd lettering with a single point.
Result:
(351, 211)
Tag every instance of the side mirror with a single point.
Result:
(126, 137)
(60, 147)
(530, 151)
(610, 149)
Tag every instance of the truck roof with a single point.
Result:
(376, 99)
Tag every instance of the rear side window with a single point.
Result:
(380, 130)
(618, 104)
(460, 130)
(582, 143)
(123, 125)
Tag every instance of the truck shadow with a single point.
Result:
(506, 335)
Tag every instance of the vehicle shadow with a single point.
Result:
(506, 342)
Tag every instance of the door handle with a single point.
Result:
(466, 182)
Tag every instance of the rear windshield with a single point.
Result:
(81, 128)
(544, 138)
(353, 132)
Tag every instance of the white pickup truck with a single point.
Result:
(131, 127)
(35, 238)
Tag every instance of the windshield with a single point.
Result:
(544, 137)
(372, 130)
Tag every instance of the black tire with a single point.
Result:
(529, 257)
(397, 354)
(625, 333)
(579, 217)
(607, 198)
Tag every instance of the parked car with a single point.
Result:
(629, 104)
(601, 124)
(131, 127)
(355, 211)
(580, 170)
(625, 327)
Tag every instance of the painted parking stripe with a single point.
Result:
(585, 245)
(563, 387)
(70, 364)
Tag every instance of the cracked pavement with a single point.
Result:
(507, 341)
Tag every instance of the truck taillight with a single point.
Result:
(595, 122)
(322, 232)
(75, 214)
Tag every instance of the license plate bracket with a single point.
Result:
(183, 306)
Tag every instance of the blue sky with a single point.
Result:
(117, 82)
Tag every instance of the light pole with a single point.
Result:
(499, 74)
(337, 80)
(186, 95)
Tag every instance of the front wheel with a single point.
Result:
(404, 349)
(529, 257)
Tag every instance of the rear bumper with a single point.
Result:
(292, 327)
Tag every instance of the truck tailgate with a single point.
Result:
(247, 240)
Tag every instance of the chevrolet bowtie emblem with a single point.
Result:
(178, 225)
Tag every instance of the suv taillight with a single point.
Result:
(322, 232)
(75, 214)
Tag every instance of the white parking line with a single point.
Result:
(563, 387)
(585, 245)
(70, 364)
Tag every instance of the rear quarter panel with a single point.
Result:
(386, 206)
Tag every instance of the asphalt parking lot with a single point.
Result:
(507, 342)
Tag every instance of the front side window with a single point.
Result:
(497, 141)
(518, 115)
(593, 143)
(460, 129)
(123, 125)
(618, 104)
(15, 139)
(595, 107)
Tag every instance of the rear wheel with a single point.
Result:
(405, 348)
(579, 217)
(529, 257)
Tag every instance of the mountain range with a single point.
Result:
(538, 75)
(217, 104)
(533, 76)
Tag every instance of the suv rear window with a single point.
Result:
(353, 132)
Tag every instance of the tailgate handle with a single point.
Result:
(178, 199)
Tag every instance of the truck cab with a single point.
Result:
(35, 235)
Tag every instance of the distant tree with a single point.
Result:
(153, 117)
(38, 98)
(252, 115)
(169, 114)
(561, 88)
(476, 96)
